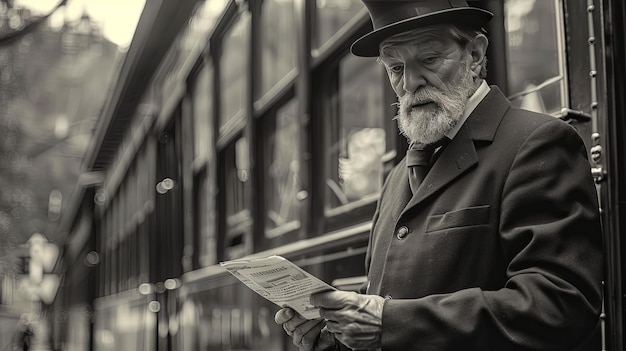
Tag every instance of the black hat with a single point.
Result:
(392, 17)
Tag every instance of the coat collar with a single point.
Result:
(460, 155)
(485, 119)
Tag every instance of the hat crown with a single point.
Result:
(391, 17)
(386, 12)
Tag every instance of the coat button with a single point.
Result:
(402, 232)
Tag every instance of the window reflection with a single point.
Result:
(237, 173)
(332, 15)
(282, 148)
(202, 108)
(205, 221)
(238, 217)
(203, 144)
(358, 133)
(279, 41)
(536, 65)
(233, 69)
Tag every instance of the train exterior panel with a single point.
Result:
(245, 128)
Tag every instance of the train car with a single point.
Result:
(245, 128)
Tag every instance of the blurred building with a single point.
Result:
(54, 81)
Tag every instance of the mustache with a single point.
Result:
(421, 97)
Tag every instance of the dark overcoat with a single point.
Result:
(500, 248)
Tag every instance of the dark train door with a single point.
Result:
(168, 235)
(549, 56)
(610, 153)
(596, 56)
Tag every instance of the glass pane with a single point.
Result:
(234, 69)
(535, 55)
(358, 132)
(205, 221)
(283, 150)
(237, 174)
(279, 41)
(238, 217)
(332, 15)
(202, 108)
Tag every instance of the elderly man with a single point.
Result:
(488, 236)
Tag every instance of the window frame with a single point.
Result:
(562, 61)
(325, 91)
(293, 230)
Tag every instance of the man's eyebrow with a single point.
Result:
(384, 59)
(387, 60)
(429, 47)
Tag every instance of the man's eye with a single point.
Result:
(396, 69)
(429, 60)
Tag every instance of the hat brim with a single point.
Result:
(369, 44)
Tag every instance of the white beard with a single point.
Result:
(429, 123)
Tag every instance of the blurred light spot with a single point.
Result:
(61, 127)
(92, 258)
(154, 306)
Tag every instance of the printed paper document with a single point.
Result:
(280, 281)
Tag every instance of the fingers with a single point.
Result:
(293, 323)
(353, 318)
(298, 326)
(356, 320)
(283, 315)
(306, 334)
(303, 332)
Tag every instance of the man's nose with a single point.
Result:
(413, 79)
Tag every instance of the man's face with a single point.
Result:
(432, 78)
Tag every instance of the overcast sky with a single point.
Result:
(118, 18)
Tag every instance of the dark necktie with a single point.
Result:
(418, 160)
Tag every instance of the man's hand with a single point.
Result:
(355, 319)
(306, 334)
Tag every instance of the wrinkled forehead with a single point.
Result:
(427, 38)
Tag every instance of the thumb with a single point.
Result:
(283, 315)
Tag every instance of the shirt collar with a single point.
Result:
(472, 102)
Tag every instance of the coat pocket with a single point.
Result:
(470, 216)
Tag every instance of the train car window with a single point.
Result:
(357, 134)
(204, 209)
(278, 42)
(202, 114)
(234, 69)
(135, 199)
(283, 183)
(147, 180)
(535, 55)
(236, 198)
(205, 219)
(331, 17)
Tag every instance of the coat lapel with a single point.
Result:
(460, 154)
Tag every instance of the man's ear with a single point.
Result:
(478, 51)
